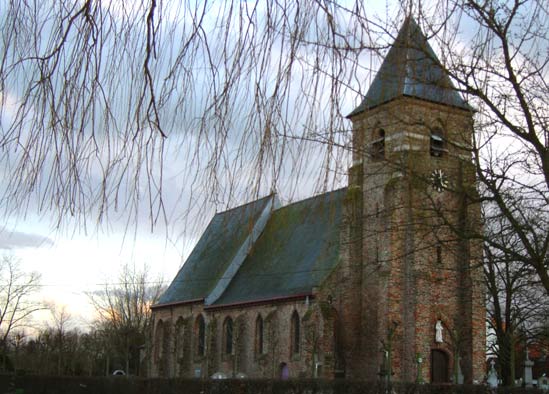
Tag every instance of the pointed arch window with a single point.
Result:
(437, 146)
(259, 335)
(200, 333)
(296, 334)
(159, 341)
(439, 254)
(228, 335)
(378, 145)
(179, 345)
(178, 340)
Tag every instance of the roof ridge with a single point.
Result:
(310, 198)
(240, 256)
(270, 195)
(296, 251)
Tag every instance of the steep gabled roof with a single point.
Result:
(214, 252)
(411, 69)
(255, 253)
(297, 250)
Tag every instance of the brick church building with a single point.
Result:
(381, 278)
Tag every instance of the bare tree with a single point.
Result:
(255, 92)
(17, 289)
(503, 71)
(125, 315)
(91, 90)
(517, 303)
(250, 92)
(61, 325)
(59, 350)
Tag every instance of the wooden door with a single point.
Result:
(439, 367)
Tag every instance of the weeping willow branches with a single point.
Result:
(92, 91)
(125, 108)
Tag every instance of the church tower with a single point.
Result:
(417, 303)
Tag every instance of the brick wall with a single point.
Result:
(180, 358)
(407, 283)
(408, 260)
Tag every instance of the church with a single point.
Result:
(378, 280)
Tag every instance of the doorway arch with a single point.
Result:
(439, 367)
(284, 371)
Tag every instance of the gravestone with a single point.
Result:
(528, 364)
(543, 383)
(492, 379)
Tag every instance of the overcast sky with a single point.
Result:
(74, 259)
(72, 265)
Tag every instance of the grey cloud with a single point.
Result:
(15, 240)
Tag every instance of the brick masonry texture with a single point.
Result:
(181, 359)
(408, 259)
(420, 263)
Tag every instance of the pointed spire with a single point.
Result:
(411, 69)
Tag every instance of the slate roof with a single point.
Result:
(411, 68)
(213, 253)
(296, 250)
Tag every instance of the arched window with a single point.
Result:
(228, 335)
(259, 335)
(439, 254)
(437, 147)
(159, 342)
(296, 334)
(284, 371)
(179, 346)
(179, 340)
(378, 145)
(200, 335)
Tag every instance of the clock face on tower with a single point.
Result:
(439, 180)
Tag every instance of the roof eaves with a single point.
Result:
(263, 301)
(177, 303)
(465, 107)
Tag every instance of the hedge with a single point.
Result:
(29, 384)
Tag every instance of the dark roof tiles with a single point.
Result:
(411, 68)
(214, 252)
(296, 250)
